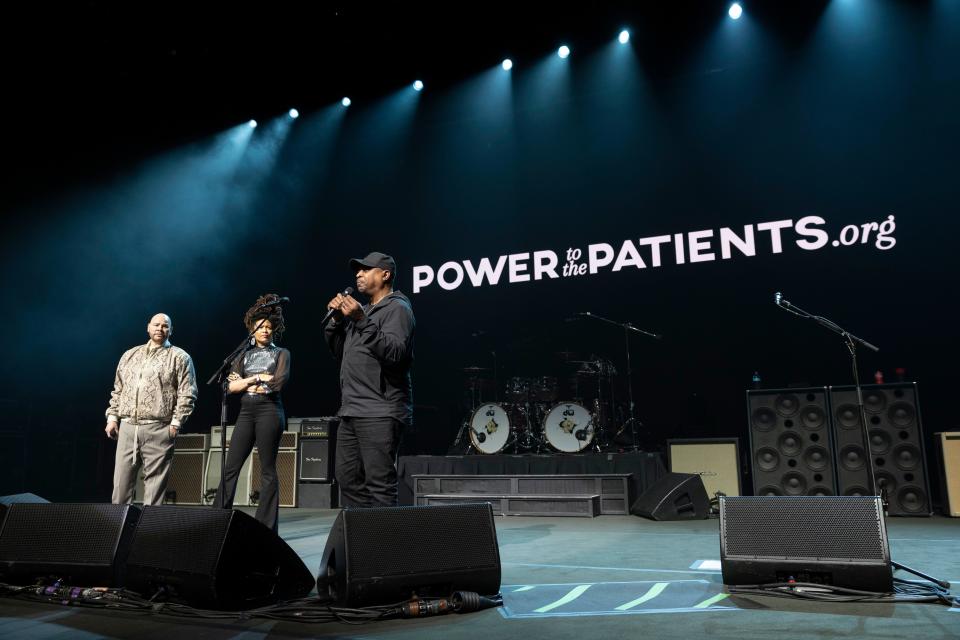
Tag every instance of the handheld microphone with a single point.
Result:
(331, 312)
(777, 297)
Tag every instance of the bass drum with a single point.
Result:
(568, 427)
(489, 428)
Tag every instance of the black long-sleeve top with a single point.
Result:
(376, 355)
(270, 359)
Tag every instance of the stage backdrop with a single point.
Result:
(821, 168)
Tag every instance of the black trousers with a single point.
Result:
(261, 420)
(366, 465)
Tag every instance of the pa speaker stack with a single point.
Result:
(811, 442)
(790, 446)
(896, 445)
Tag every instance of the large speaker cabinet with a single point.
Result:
(790, 446)
(286, 475)
(896, 445)
(185, 484)
(212, 475)
(948, 445)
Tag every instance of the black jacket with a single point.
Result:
(375, 355)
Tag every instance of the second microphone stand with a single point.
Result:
(627, 328)
(851, 342)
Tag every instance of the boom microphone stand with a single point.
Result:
(220, 378)
(627, 328)
(851, 342)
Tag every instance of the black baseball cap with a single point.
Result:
(375, 260)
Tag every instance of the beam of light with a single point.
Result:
(507, 64)
(624, 37)
(417, 85)
(346, 101)
(563, 51)
(252, 124)
(735, 11)
(294, 113)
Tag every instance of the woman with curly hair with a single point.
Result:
(259, 374)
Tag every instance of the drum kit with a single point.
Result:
(534, 417)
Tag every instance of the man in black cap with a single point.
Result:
(374, 345)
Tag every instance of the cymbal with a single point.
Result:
(474, 369)
(566, 355)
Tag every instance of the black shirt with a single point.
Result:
(376, 354)
(270, 359)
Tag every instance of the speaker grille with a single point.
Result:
(286, 476)
(805, 527)
(790, 444)
(62, 533)
(152, 546)
(375, 549)
(896, 445)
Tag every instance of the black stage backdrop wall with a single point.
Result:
(805, 140)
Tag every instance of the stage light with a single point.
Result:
(507, 64)
(345, 102)
(624, 37)
(417, 85)
(563, 51)
(252, 124)
(735, 11)
(294, 113)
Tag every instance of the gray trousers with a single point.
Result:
(149, 445)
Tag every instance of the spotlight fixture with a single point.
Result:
(345, 102)
(417, 85)
(624, 37)
(563, 51)
(735, 11)
(252, 124)
(507, 64)
(294, 113)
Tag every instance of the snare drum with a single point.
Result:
(544, 389)
(517, 390)
(568, 427)
(489, 428)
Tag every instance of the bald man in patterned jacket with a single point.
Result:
(153, 395)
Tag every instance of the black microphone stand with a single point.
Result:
(627, 328)
(850, 341)
(220, 378)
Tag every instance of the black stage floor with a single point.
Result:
(577, 579)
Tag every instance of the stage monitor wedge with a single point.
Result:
(675, 496)
(85, 545)
(387, 554)
(831, 540)
(213, 558)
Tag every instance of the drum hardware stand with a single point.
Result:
(627, 328)
(850, 341)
